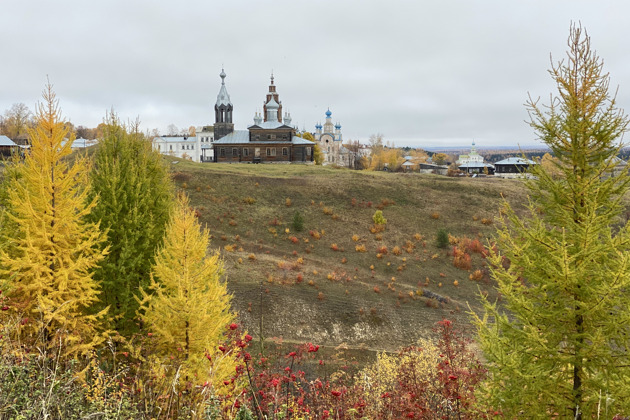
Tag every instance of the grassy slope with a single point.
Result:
(344, 311)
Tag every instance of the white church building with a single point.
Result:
(329, 139)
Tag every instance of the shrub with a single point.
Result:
(486, 221)
(378, 218)
(476, 246)
(442, 238)
(249, 200)
(320, 296)
(251, 257)
(232, 223)
(298, 221)
(294, 239)
(382, 250)
(417, 237)
(334, 247)
(360, 248)
(327, 211)
(355, 238)
(287, 202)
(476, 275)
(396, 250)
(315, 234)
(435, 215)
(461, 259)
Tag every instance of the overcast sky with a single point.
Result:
(422, 73)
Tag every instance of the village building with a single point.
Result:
(7, 146)
(183, 147)
(477, 168)
(472, 157)
(431, 168)
(513, 167)
(270, 139)
(329, 140)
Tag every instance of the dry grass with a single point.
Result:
(290, 309)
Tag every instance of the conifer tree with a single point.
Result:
(135, 201)
(559, 344)
(187, 307)
(49, 249)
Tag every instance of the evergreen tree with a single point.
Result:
(187, 306)
(49, 249)
(135, 201)
(560, 343)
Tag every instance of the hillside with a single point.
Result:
(309, 291)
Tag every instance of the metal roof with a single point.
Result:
(515, 161)
(272, 104)
(267, 125)
(242, 136)
(237, 136)
(300, 140)
(476, 165)
(5, 141)
(187, 139)
(223, 98)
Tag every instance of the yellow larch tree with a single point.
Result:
(187, 307)
(48, 249)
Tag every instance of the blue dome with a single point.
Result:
(338, 126)
(328, 113)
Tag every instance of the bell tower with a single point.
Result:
(272, 109)
(223, 111)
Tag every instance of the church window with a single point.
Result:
(257, 137)
(268, 136)
(246, 152)
(308, 151)
(158, 147)
(285, 151)
(234, 151)
(170, 147)
(271, 151)
(222, 152)
(328, 149)
(183, 147)
(285, 137)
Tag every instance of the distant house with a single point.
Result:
(409, 166)
(513, 167)
(430, 168)
(184, 147)
(7, 146)
(619, 165)
(477, 168)
(80, 143)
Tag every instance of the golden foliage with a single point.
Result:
(49, 250)
(187, 307)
